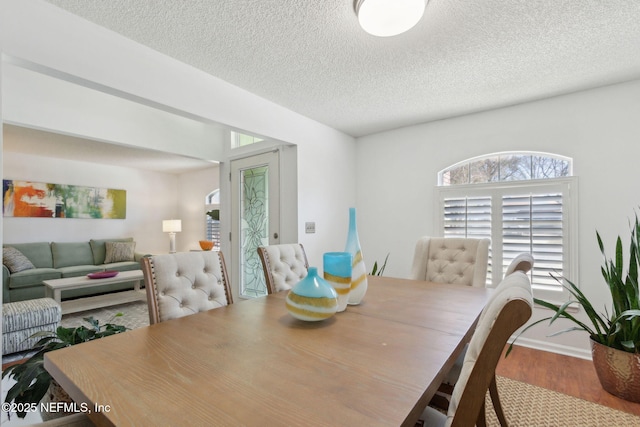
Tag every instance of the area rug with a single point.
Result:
(131, 315)
(532, 406)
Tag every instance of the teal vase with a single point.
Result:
(312, 299)
(358, 270)
(337, 271)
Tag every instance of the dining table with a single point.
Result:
(251, 363)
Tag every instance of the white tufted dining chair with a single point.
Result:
(509, 307)
(283, 265)
(451, 260)
(185, 283)
(522, 262)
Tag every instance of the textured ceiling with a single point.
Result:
(464, 56)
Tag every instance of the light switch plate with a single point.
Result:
(309, 227)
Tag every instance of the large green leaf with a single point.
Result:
(619, 327)
(32, 379)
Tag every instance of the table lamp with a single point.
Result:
(172, 226)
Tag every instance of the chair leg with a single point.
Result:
(495, 399)
(482, 418)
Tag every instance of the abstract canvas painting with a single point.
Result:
(39, 199)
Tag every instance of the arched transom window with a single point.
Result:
(513, 166)
(523, 202)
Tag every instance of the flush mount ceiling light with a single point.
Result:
(384, 18)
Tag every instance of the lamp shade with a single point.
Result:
(172, 226)
(386, 18)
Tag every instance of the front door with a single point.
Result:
(255, 218)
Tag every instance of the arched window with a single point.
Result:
(513, 166)
(523, 202)
(212, 217)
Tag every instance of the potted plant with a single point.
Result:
(375, 271)
(214, 214)
(614, 334)
(33, 381)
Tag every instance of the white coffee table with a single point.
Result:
(54, 288)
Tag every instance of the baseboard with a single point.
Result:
(554, 348)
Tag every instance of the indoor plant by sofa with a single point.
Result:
(56, 260)
(33, 382)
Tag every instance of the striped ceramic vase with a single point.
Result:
(359, 271)
(312, 298)
(337, 271)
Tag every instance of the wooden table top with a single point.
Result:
(251, 363)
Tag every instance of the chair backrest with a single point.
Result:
(185, 283)
(522, 262)
(509, 308)
(283, 265)
(451, 260)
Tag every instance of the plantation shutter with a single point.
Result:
(533, 223)
(532, 217)
(213, 230)
(469, 217)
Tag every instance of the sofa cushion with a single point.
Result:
(122, 266)
(71, 254)
(119, 251)
(79, 270)
(38, 253)
(33, 277)
(99, 249)
(15, 260)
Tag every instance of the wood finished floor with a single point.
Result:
(564, 374)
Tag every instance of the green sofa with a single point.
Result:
(56, 260)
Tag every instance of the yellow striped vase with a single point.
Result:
(358, 280)
(358, 270)
(312, 299)
(337, 271)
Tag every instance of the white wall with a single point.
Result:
(151, 197)
(599, 129)
(326, 183)
(193, 188)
